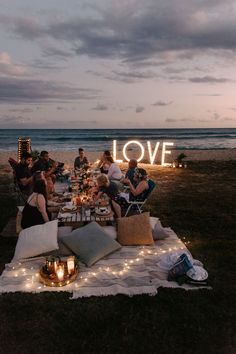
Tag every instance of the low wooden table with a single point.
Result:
(79, 218)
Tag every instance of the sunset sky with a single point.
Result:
(121, 64)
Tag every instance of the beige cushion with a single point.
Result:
(135, 230)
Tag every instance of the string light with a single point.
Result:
(124, 268)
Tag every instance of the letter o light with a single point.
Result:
(133, 142)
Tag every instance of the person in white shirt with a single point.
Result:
(114, 172)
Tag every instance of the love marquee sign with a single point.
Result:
(152, 151)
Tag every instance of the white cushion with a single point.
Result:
(36, 240)
(159, 232)
(111, 231)
(153, 221)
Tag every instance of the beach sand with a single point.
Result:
(192, 155)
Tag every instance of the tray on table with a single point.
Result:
(52, 279)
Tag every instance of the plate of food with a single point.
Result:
(103, 211)
(70, 208)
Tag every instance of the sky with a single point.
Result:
(117, 64)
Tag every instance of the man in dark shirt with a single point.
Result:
(46, 165)
(24, 174)
(131, 170)
(81, 160)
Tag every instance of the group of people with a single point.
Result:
(36, 181)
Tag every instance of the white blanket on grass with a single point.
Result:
(130, 271)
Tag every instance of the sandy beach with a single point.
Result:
(192, 155)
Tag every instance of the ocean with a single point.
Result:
(101, 139)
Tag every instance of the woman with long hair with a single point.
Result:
(102, 164)
(114, 171)
(35, 212)
(139, 191)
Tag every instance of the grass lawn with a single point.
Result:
(199, 203)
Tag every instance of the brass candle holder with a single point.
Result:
(56, 272)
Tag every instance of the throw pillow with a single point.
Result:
(90, 243)
(36, 240)
(159, 232)
(111, 231)
(153, 221)
(63, 250)
(135, 230)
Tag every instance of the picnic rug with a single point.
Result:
(132, 270)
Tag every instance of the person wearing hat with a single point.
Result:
(80, 160)
(139, 191)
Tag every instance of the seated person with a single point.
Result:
(139, 192)
(131, 170)
(114, 171)
(102, 164)
(24, 174)
(81, 160)
(35, 212)
(45, 164)
(111, 190)
(39, 175)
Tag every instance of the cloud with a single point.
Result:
(43, 64)
(8, 68)
(128, 77)
(210, 94)
(21, 110)
(8, 120)
(21, 122)
(29, 28)
(100, 107)
(215, 116)
(162, 103)
(209, 80)
(134, 32)
(227, 118)
(139, 109)
(171, 120)
(52, 51)
(174, 120)
(31, 91)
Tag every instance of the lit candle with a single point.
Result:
(60, 272)
(180, 165)
(71, 264)
(55, 266)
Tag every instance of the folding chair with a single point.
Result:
(139, 204)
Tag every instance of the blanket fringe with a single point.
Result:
(113, 290)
